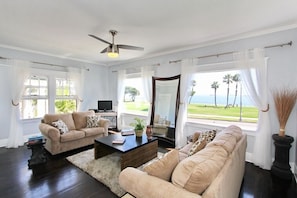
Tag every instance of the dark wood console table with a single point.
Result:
(38, 154)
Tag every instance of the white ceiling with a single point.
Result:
(61, 27)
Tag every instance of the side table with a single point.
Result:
(38, 153)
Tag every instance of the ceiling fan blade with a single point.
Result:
(104, 41)
(130, 47)
(104, 51)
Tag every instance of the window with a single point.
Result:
(219, 96)
(66, 99)
(134, 100)
(34, 102)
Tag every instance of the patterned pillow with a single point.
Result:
(208, 135)
(59, 124)
(92, 121)
(197, 146)
(203, 139)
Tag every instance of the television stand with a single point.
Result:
(112, 117)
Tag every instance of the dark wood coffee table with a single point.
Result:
(134, 152)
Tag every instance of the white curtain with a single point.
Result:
(187, 73)
(20, 71)
(121, 93)
(146, 76)
(253, 67)
(78, 77)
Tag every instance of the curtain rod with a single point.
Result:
(226, 53)
(49, 64)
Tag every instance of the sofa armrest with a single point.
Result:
(105, 124)
(50, 132)
(140, 184)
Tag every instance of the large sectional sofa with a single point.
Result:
(64, 132)
(216, 171)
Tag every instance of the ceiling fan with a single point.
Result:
(113, 49)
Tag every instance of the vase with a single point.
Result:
(138, 133)
(281, 167)
(149, 131)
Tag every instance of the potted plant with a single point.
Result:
(284, 100)
(138, 125)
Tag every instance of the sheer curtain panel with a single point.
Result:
(121, 93)
(187, 74)
(78, 77)
(146, 76)
(20, 71)
(253, 67)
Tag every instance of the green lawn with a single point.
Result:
(249, 114)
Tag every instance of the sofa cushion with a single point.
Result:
(185, 149)
(234, 131)
(92, 121)
(80, 119)
(197, 146)
(59, 124)
(225, 140)
(65, 117)
(163, 167)
(93, 131)
(196, 172)
(72, 135)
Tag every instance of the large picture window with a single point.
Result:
(34, 103)
(219, 96)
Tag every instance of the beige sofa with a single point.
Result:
(77, 135)
(216, 171)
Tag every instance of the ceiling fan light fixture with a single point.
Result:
(113, 52)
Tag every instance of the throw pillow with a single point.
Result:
(196, 136)
(164, 167)
(208, 135)
(92, 121)
(197, 172)
(197, 146)
(59, 124)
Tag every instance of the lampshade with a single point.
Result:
(113, 51)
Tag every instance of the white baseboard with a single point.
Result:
(295, 172)
(3, 142)
(248, 157)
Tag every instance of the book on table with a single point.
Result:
(127, 132)
(119, 141)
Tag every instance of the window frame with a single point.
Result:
(72, 92)
(51, 76)
(30, 97)
(223, 66)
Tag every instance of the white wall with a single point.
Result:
(282, 70)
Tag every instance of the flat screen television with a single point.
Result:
(104, 105)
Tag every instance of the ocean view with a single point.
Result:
(221, 100)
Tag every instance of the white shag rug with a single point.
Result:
(105, 169)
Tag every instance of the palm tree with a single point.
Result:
(215, 85)
(236, 79)
(227, 79)
(192, 93)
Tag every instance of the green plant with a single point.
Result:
(139, 124)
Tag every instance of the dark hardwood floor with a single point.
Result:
(59, 178)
